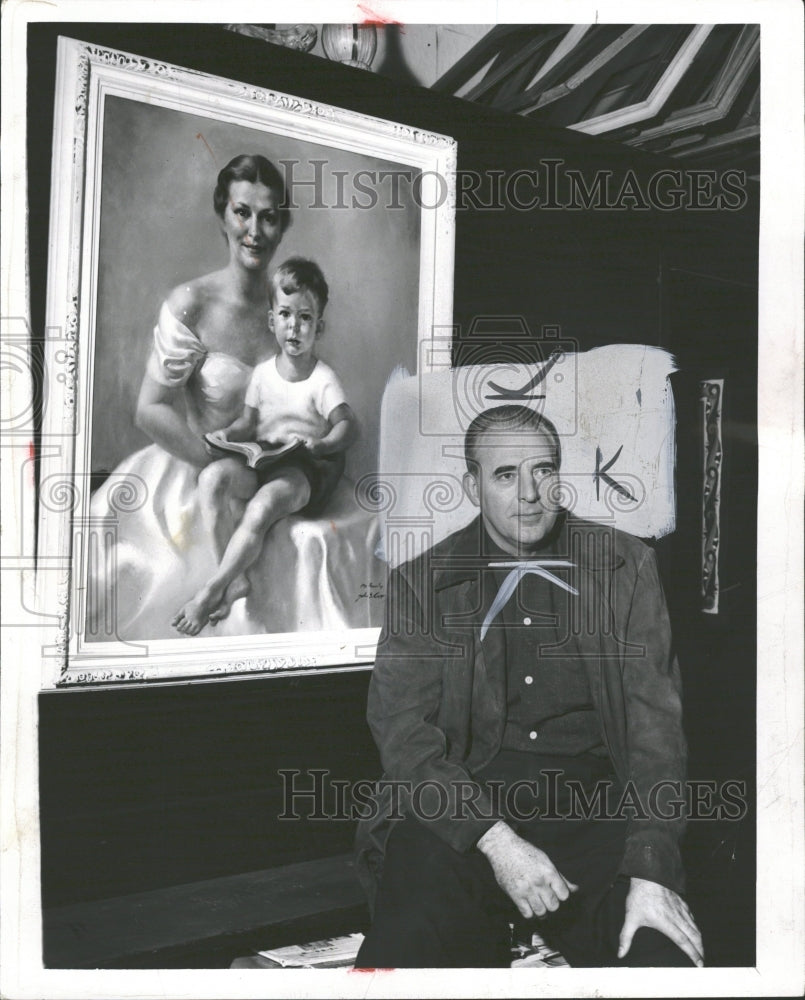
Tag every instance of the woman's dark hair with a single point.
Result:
(256, 169)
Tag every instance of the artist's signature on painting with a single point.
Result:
(370, 592)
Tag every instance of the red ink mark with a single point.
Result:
(370, 970)
(31, 470)
(200, 136)
(332, 525)
(378, 20)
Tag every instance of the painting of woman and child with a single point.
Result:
(242, 293)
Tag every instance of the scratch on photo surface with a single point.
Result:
(199, 135)
(373, 17)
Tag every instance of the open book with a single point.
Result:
(258, 454)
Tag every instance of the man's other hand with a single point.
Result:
(651, 905)
(524, 872)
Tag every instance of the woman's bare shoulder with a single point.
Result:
(189, 301)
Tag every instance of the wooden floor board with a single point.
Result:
(105, 933)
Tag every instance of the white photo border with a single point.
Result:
(781, 844)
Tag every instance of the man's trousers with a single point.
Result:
(439, 908)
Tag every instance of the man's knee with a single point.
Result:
(422, 864)
(435, 906)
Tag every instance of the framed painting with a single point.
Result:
(142, 260)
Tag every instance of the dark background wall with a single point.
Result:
(150, 786)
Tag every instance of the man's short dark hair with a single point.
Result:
(501, 419)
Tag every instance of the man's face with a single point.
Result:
(516, 478)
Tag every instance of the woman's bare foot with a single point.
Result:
(239, 587)
(196, 613)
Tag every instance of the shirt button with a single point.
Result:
(533, 734)
(529, 680)
(526, 621)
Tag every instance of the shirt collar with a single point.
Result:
(473, 550)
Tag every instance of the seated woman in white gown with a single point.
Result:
(210, 335)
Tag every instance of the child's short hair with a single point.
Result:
(298, 274)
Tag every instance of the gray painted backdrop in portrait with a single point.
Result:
(158, 228)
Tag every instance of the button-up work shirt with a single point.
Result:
(549, 704)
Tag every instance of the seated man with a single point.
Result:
(526, 703)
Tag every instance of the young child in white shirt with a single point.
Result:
(292, 396)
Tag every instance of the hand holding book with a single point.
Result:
(258, 454)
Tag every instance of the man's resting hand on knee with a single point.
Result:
(524, 872)
(651, 905)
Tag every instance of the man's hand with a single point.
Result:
(524, 872)
(651, 905)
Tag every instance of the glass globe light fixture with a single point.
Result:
(351, 44)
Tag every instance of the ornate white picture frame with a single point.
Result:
(119, 202)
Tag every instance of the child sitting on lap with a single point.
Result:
(292, 396)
